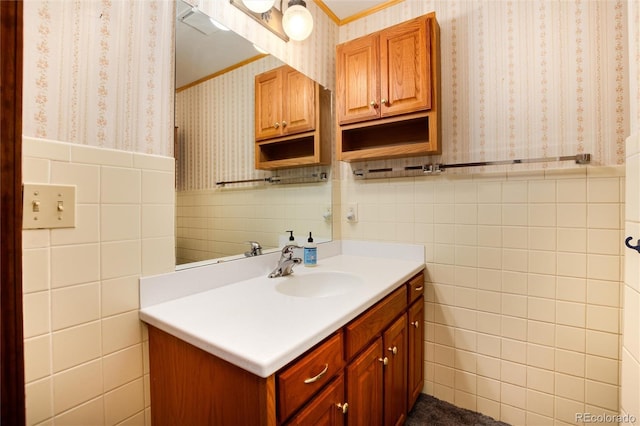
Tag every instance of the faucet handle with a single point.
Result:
(287, 250)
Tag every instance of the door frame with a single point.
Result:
(12, 390)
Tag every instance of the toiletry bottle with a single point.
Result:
(310, 252)
(291, 237)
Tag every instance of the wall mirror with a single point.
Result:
(214, 137)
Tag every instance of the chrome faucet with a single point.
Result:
(255, 250)
(286, 262)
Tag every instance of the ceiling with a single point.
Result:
(195, 36)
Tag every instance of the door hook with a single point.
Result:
(636, 247)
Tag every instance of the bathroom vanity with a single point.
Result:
(340, 342)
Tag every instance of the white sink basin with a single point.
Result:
(318, 284)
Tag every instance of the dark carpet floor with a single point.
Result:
(434, 412)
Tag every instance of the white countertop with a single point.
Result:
(252, 325)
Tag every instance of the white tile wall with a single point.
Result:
(523, 285)
(630, 373)
(84, 344)
(217, 223)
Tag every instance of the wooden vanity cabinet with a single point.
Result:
(388, 92)
(292, 120)
(369, 372)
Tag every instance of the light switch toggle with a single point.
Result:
(48, 206)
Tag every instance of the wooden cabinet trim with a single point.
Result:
(415, 373)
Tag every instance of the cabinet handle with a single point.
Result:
(284, 124)
(316, 378)
(343, 407)
(416, 324)
(276, 125)
(373, 104)
(419, 288)
(384, 360)
(384, 102)
(393, 350)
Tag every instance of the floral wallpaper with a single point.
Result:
(96, 64)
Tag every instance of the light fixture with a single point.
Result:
(218, 25)
(259, 6)
(297, 20)
(271, 19)
(260, 49)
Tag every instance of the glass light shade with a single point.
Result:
(259, 6)
(297, 22)
(218, 25)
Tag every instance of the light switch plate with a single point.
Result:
(48, 206)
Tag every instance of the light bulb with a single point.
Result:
(259, 6)
(297, 22)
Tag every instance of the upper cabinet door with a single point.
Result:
(405, 59)
(268, 109)
(358, 80)
(299, 100)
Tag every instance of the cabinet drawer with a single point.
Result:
(306, 376)
(416, 287)
(364, 328)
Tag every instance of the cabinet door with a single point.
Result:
(327, 408)
(364, 387)
(405, 74)
(298, 105)
(416, 351)
(268, 108)
(357, 79)
(395, 372)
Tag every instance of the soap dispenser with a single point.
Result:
(310, 252)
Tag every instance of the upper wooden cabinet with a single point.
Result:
(386, 73)
(285, 103)
(388, 92)
(292, 120)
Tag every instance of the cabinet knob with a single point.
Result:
(384, 101)
(276, 125)
(416, 324)
(384, 360)
(343, 407)
(284, 124)
(373, 104)
(393, 350)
